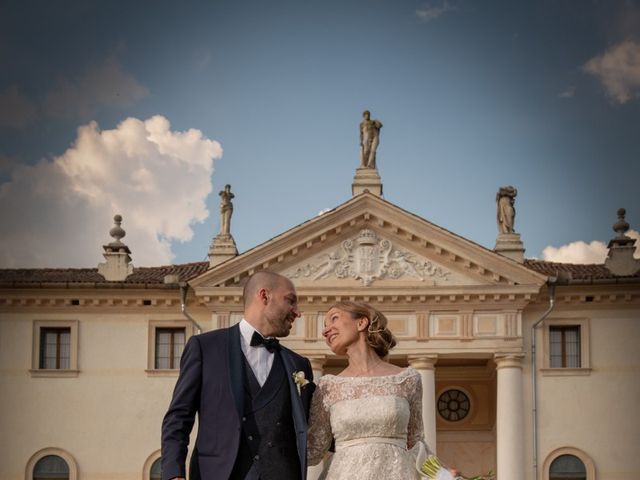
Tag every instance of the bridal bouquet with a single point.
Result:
(431, 468)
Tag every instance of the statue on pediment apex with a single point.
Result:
(369, 140)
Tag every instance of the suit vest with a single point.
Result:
(268, 440)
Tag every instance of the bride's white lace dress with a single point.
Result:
(375, 421)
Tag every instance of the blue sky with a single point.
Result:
(148, 109)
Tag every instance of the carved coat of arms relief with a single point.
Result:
(368, 257)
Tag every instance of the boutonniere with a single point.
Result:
(300, 380)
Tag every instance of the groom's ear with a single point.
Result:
(263, 295)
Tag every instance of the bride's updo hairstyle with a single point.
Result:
(379, 337)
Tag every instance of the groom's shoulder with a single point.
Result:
(213, 336)
(296, 356)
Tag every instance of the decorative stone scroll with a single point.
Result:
(368, 257)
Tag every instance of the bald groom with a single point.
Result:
(252, 422)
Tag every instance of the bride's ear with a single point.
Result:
(363, 324)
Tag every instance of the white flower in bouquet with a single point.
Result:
(431, 467)
(434, 470)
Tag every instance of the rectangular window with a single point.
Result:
(169, 346)
(564, 346)
(55, 348)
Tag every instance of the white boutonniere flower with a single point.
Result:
(300, 380)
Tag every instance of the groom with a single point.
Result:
(240, 381)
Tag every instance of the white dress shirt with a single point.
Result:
(259, 358)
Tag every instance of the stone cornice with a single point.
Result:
(592, 295)
(511, 297)
(87, 298)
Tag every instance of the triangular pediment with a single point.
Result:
(368, 243)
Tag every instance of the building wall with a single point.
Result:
(108, 416)
(591, 411)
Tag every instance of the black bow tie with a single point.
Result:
(271, 344)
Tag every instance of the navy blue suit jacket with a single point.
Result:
(211, 384)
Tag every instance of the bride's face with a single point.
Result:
(340, 330)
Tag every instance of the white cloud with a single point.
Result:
(584, 253)
(16, 110)
(431, 12)
(58, 213)
(619, 70)
(103, 85)
(568, 93)
(577, 252)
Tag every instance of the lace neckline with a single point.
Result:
(404, 373)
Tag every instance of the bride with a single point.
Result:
(372, 409)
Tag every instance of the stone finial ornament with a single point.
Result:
(506, 211)
(621, 226)
(117, 255)
(117, 231)
(369, 140)
(620, 259)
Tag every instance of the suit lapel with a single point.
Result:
(236, 368)
(297, 410)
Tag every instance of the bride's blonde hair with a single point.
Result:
(379, 337)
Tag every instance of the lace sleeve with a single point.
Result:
(319, 434)
(415, 429)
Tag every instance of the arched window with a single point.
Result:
(567, 467)
(51, 463)
(51, 467)
(568, 463)
(152, 468)
(156, 473)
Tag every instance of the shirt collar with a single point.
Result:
(246, 332)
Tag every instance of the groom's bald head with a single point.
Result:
(257, 281)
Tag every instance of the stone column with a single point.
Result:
(424, 364)
(317, 363)
(509, 422)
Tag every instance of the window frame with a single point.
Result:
(584, 458)
(563, 330)
(585, 361)
(171, 357)
(154, 326)
(58, 332)
(151, 459)
(58, 452)
(39, 326)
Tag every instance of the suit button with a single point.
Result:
(244, 419)
(277, 424)
(256, 458)
(250, 437)
(269, 444)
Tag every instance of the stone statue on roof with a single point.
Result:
(369, 140)
(506, 212)
(226, 210)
